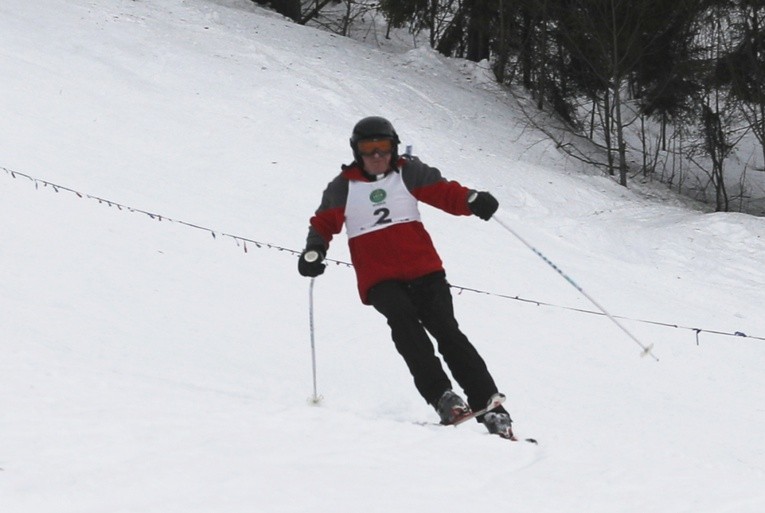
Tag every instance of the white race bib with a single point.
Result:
(373, 206)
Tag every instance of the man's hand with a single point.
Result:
(482, 204)
(311, 262)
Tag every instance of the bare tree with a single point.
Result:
(742, 68)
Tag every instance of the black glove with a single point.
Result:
(311, 262)
(482, 204)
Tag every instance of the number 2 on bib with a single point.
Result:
(383, 216)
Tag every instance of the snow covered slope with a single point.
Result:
(149, 367)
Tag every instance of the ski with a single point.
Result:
(514, 438)
(494, 402)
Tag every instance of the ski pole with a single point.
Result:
(647, 350)
(315, 399)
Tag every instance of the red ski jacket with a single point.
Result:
(386, 238)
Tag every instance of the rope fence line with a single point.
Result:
(243, 241)
(240, 241)
(594, 312)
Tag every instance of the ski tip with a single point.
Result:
(516, 439)
(497, 398)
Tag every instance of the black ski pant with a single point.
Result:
(411, 308)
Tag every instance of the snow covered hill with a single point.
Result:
(148, 366)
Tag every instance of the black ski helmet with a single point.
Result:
(374, 127)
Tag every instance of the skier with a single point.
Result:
(397, 268)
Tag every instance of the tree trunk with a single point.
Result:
(619, 126)
(607, 131)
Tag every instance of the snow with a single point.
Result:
(149, 367)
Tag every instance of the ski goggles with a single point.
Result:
(369, 147)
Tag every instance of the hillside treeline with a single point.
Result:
(658, 84)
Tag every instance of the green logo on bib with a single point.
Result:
(378, 195)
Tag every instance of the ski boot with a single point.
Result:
(499, 423)
(451, 408)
